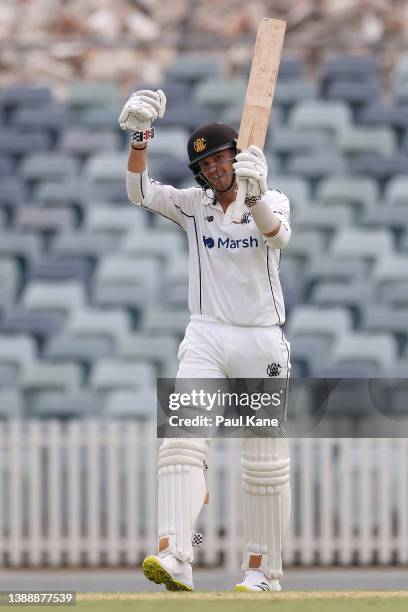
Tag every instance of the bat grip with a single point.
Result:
(239, 206)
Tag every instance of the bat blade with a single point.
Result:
(259, 94)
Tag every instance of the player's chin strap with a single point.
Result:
(182, 493)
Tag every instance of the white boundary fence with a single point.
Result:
(84, 493)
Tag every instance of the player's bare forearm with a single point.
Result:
(137, 161)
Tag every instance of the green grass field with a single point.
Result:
(351, 601)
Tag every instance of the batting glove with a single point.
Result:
(251, 166)
(141, 109)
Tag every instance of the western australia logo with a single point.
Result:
(229, 243)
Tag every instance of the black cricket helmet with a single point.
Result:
(207, 139)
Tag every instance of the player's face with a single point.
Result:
(217, 169)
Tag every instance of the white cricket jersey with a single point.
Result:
(233, 268)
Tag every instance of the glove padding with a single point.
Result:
(143, 107)
(251, 166)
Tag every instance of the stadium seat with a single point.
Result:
(51, 268)
(172, 142)
(44, 220)
(192, 68)
(74, 192)
(379, 167)
(131, 404)
(287, 141)
(379, 114)
(12, 193)
(357, 192)
(219, 93)
(390, 269)
(89, 323)
(376, 350)
(110, 374)
(303, 246)
(82, 95)
(350, 68)
(380, 318)
(124, 280)
(396, 192)
(354, 141)
(17, 350)
(317, 114)
(56, 404)
(161, 321)
(356, 94)
(115, 219)
(46, 375)
(10, 279)
(295, 188)
(7, 166)
(59, 296)
(85, 350)
(333, 269)
(291, 91)
(101, 119)
(51, 120)
(355, 296)
(186, 115)
(329, 323)
(394, 218)
(352, 243)
(39, 324)
(11, 403)
(82, 143)
(22, 95)
(160, 350)
(104, 167)
(86, 245)
(313, 166)
(25, 247)
(15, 143)
(322, 218)
(176, 281)
(48, 166)
(152, 243)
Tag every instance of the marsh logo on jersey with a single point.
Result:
(229, 243)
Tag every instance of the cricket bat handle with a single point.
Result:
(239, 207)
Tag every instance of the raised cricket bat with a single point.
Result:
(259, 95)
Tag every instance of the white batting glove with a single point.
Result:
(251, 166)
(140, 110)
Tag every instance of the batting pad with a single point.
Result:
(266, 492)
(182, 492)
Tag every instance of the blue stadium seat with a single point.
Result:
(357, 69)
(13, 142)
(356, 94)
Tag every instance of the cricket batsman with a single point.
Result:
(235, 331)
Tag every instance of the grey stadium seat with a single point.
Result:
(110, 374)
(162, 320)
(306, 245)
(41, 324)
(161, 350)
(17, 350)
(57, 404)
(326, 322)
(12, 403)
(123, 280)
(39, 219)
(131, 404)
(390, 269)
(48, 166)
(379, 350)
(333, 269)
(57, 296)
(113, 218)
(10, 279)
(172, 142)
(380, 318)
(291, 91)
(288, 141)
(176, 281)
(315, 165)
(68, 192)
(357, 192)
(193, 67)
(350, 243)
(312, 115)
(104, 167)
(220, 93)
(13, 142)
(45, 375)
(152, 244)
(396, 192)
(82, 95)
(96, 323)
(295, 188)
(82, 143)
(322, 218)
(85, 245)
(26, 247)
(85, 350)
(354, 141)
(354, 295)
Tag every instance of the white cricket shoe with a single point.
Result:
(254, 580)
(166, 569)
